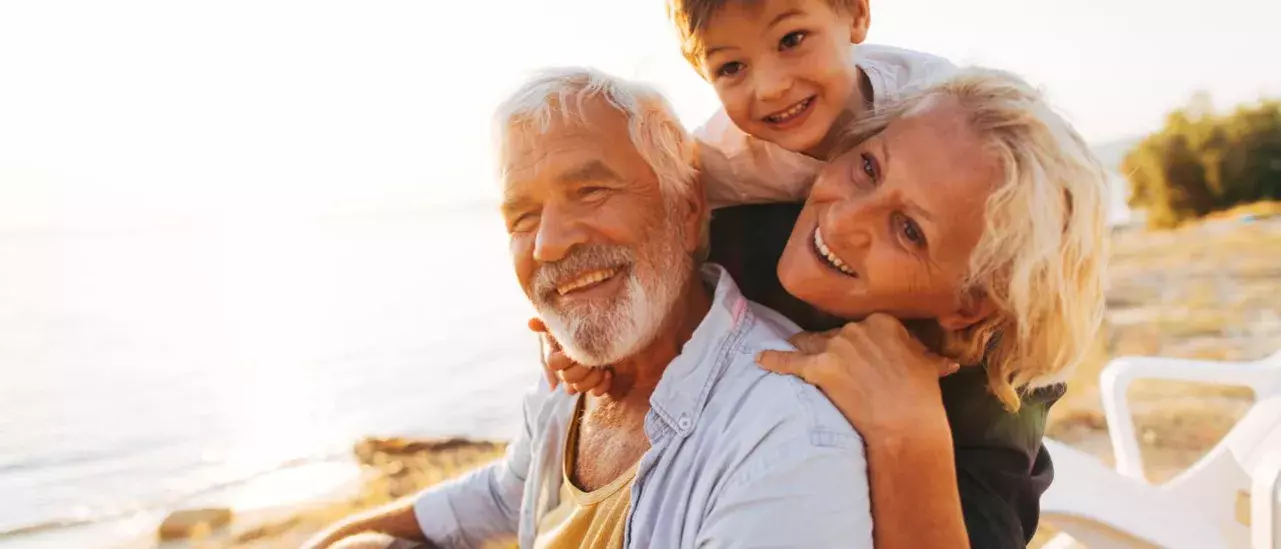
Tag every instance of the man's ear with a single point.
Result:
(695, 213)
(860, 21)
(973, 307)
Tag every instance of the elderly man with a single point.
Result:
(693, 445)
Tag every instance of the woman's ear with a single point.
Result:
(860, 21)
(973, 307)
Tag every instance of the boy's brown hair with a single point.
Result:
(692, 16)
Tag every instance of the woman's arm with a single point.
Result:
(886, 384)
(915, 498)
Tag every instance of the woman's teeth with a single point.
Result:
(589, 278)
(790, 113)
(829, 256)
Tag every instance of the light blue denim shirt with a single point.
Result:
(738, 457)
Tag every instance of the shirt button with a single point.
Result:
(684, 422)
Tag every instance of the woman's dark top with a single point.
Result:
(1001, 466)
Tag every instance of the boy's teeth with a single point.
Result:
(790, 112)
(587, 279)
(831, 257)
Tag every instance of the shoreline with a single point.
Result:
(389, 468)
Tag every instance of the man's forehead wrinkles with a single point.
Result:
(533, 155)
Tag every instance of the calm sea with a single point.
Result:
(149, 369)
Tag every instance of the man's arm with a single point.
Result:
(800, 496)
(482, 505)
(395, 519)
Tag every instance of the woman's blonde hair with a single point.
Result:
(1044, 247)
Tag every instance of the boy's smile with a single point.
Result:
(793, 115)
(784, 69)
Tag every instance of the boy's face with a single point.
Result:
(784, 69)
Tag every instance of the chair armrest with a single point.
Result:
(1265, 489)
(1120, 373)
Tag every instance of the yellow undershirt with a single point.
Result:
(589, 520)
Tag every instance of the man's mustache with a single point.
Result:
(580, 260)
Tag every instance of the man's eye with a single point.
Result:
(522, 223)
(592, 192)
(791, 40)
(729, 69)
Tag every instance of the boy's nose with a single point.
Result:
(772, 82)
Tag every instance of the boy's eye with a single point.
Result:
(729, 69)
(791, 40)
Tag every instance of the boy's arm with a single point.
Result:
(737, 169)
(466, 512)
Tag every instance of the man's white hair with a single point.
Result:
(564, 92)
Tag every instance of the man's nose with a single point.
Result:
(772, 81)
(558, 232)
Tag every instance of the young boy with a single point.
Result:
(790, 74)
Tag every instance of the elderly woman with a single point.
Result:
(959, 233)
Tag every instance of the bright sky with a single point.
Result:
(133, 112)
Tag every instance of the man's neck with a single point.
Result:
(611, 435)
(636, 377)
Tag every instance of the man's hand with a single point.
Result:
(558, 367)
(882, 379)
(395, 519)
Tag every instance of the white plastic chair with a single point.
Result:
(1129, 512)
(1101, 509)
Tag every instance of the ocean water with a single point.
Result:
(148, 369)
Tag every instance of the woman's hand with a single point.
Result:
(886, 384)
(881, 378)
(558, 367)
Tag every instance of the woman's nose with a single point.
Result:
(854, 221)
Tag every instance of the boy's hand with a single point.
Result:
(558, 367)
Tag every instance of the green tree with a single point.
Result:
(1201, 162)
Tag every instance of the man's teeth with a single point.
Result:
(587, 279)
(831, 257)
(789, 113)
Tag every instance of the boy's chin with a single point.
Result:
(797, 140)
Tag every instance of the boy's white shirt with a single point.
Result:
(741, 169)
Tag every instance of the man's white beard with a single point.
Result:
(601, 334)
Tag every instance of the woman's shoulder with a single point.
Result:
(980, 420)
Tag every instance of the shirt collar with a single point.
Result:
(686, 383)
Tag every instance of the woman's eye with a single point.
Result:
(870, 169)
(912, 232)
(791, 40)
(729, 69)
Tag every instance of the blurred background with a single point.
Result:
(238, 238)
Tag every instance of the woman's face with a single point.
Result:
(890, 225)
